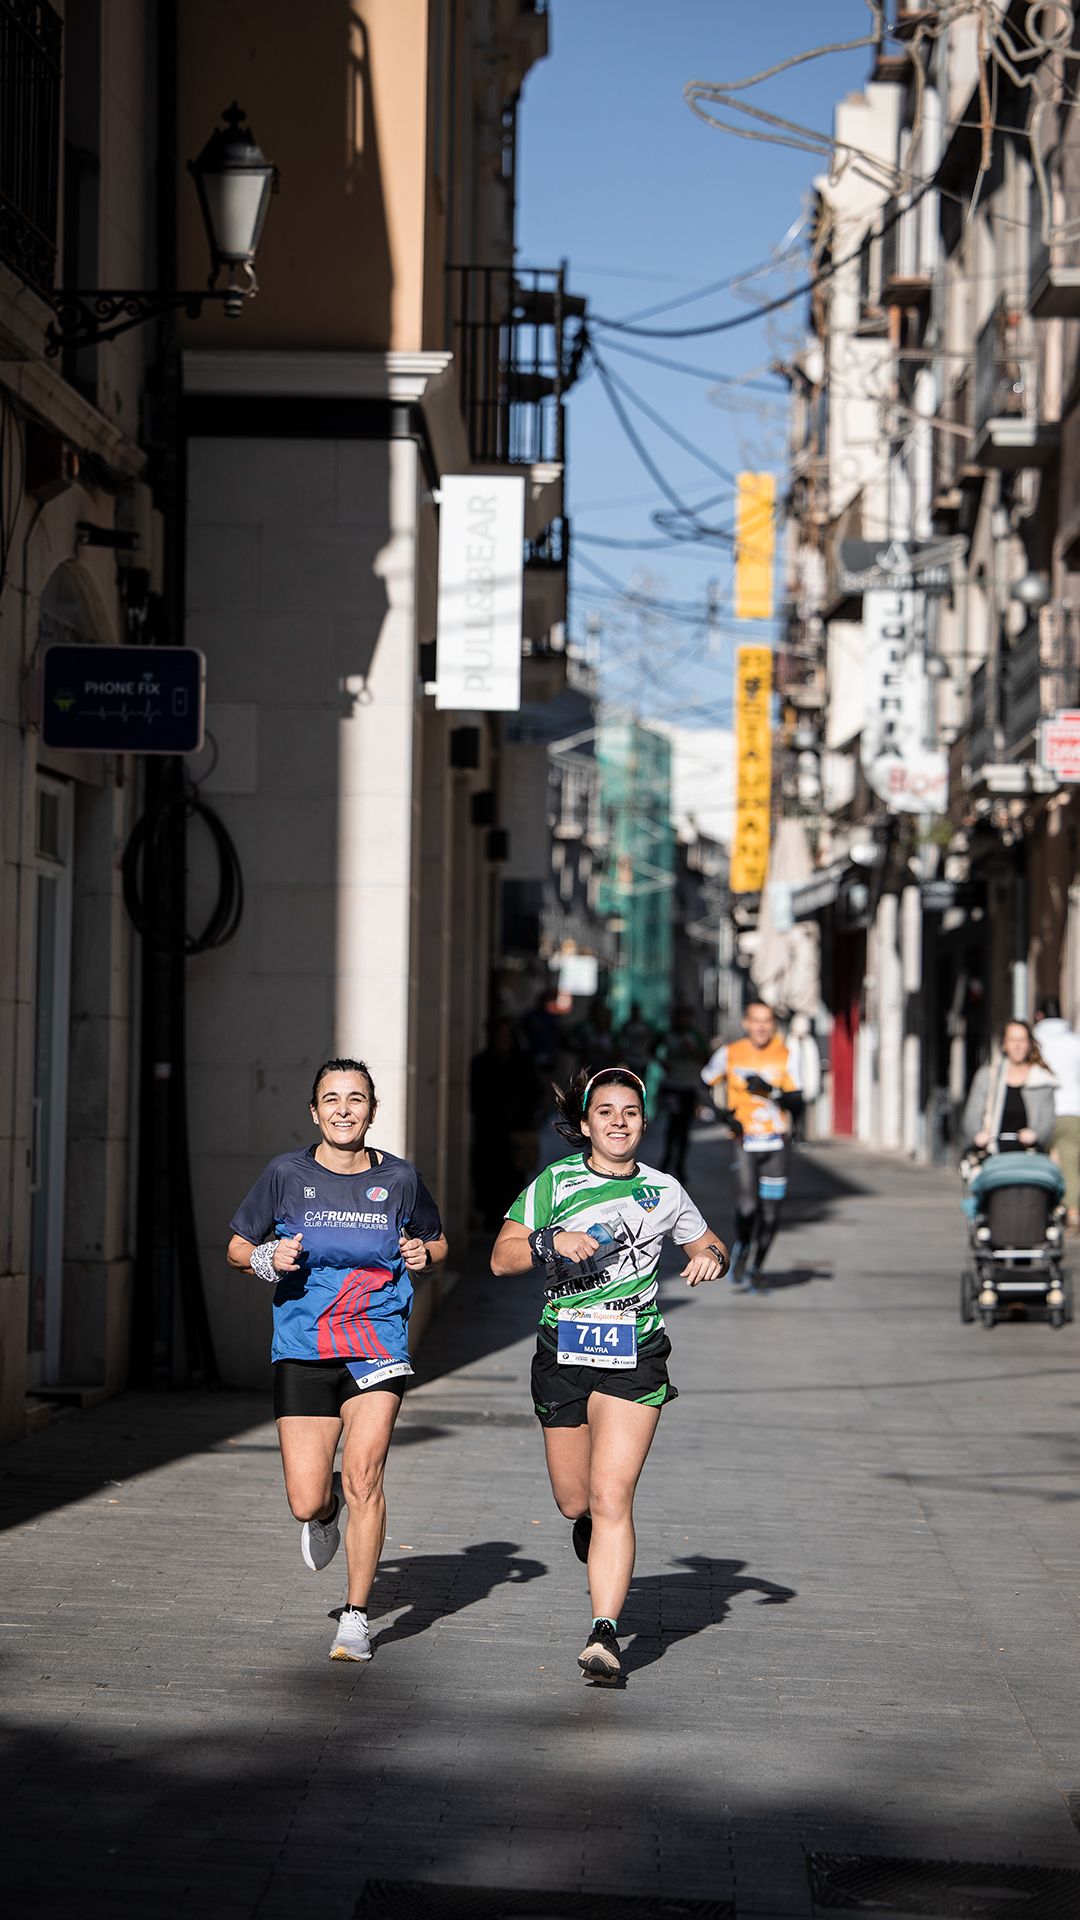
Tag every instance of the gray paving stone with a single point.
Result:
(176, 1739)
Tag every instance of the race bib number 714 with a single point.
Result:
(597, 1337)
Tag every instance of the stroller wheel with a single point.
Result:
(1056, 1317)
(968, 1291)
(988, 1316)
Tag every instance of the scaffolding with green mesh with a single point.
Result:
(637, 892)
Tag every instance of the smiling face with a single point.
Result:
(614, 1122)
(344, 1109)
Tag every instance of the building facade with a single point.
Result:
(265, 489)
(932, 546)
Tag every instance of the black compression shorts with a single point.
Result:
(561, 1394)
(319, 1388)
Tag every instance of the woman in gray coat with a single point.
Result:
(1011, 1103)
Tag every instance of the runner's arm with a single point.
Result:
(512, 1252)
(287, 1253)
(706, 1258)
(419, 1255)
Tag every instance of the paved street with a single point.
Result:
(854, 1627)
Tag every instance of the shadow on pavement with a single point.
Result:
(434, 1585)
(684, 1603)
(117, 1442)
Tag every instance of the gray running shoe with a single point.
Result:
(599, 1659)
(320, 1539)
(352, 1640)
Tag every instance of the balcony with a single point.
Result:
(31, 34)
(905, 281)
(950, 440)
(515, 361)
(1007, 431)
(1041, 675)
(1054, 265)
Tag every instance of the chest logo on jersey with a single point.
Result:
(378, 1193)
(648, 1197)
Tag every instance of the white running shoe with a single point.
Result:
(352, 1640)
(320, 1539)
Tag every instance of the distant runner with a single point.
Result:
(755, 1084)
(592, 1227)
(338, 1229)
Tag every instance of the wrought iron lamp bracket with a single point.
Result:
(89, 319)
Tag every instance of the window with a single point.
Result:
(30, 41)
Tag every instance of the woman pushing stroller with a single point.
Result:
(1013, 1192)
(1010, 1106)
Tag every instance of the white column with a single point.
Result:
(375, 814)
(911, 969)
(891, 1024)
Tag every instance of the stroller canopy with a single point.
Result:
(1018, 1170)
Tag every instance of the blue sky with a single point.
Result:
(647, 203)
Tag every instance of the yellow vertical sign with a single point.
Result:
(755, 546)
(753, 769)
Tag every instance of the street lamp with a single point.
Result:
(1031, 591)
(234, 181)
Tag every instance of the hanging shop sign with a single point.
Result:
(123, 699)
(1059, 745)
(916, 781)
(753, 769)
(481, 571)
(755, 546)
(897, 567)
(900, 768)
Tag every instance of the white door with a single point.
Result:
(48, 1141)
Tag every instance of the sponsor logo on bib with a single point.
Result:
(648, 1197)
(378, 1193)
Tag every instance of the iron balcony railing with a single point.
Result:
(31, 34)
(1005, 370)
(515, 358)
(1041, 673)
(980, 727)
(1059, 216)
(950, 439)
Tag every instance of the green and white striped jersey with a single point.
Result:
(640, 1209)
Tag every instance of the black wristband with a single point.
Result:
(542, 1246)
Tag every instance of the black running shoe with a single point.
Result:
(599, 1659)
(581, 1537)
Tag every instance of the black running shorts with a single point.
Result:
(319, 1388)
(561, 1394)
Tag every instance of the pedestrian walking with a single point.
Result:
(1010, 1104)
(756, 1087)
(1059, 1045)
(593, 1224)
(682, 1052)
(339, 1229)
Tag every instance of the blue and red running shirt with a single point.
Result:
(351, 1296)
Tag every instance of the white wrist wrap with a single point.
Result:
(262, 1262)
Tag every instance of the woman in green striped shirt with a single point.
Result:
(594, 1224)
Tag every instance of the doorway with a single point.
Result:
(48, 1135)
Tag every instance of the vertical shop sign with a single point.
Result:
(753, 769)
(755, 546)
(481, 571)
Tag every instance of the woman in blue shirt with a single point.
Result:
(338, 1229)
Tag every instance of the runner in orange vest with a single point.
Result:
(756, 1088)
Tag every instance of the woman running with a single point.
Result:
(338, 1229)
(594, 1225)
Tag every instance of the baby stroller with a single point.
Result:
(1016, 1238)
